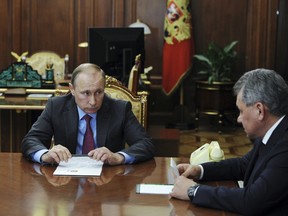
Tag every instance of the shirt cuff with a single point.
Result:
(127, 158)
(36, 156)
(196, 190)
(202, 172)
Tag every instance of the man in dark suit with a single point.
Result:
(262, 99)
(112, 121)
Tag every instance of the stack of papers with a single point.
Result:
(173, 173)
(79, 166)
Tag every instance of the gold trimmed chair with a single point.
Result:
(39, 60)
(134, 75)
(115, 89)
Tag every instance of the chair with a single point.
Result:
(134, 75)
(39, 61)
(115, 89)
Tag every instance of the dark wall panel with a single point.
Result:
(60, 25)
(220, 21)
(281, 58)
(8, 34)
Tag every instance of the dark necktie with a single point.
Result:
(88, 142)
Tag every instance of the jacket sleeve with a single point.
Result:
(140, 144)
(119, 130)
(265, 191)
(40, 135)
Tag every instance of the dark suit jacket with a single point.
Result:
(265, 176)
(116, 125)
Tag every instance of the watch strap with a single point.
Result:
(191, 191)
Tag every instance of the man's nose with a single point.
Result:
(92, 100)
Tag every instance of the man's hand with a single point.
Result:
(180, 188)
(106, 156)
(56, 154)
(189, 171)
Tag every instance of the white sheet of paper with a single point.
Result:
(39, 95)
(172, 172)
(174, 167)
(240, 184)
(153, 189)
(79, 166)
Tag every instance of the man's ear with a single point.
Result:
(71, 88)
(261, 110)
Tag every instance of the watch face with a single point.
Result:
(191, 191)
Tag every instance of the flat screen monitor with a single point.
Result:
(115, 49)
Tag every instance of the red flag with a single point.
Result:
(178, 45)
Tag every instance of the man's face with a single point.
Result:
(88, 90)
(249, 118)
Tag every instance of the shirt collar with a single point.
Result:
(270, 131)
(81, 113)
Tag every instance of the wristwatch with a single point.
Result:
(191, 191)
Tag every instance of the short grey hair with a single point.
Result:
(83, 67)
(265, 86)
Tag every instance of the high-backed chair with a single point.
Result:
(39, 61)
(116, 89)
(133, 81)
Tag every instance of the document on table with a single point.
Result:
(172, 173)
(153, 188)
(79, 166)
(240, 184)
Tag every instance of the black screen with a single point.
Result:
(115, 49)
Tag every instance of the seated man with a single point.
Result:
(262, 99)
(112, 125)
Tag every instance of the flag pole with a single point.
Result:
(182, 112)
(181, 95)
(181, 103)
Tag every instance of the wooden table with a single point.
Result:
(29, 189)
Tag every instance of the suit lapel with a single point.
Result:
(71, 125)
(251, 164)
(103, 117)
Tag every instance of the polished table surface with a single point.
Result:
(30, 189)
